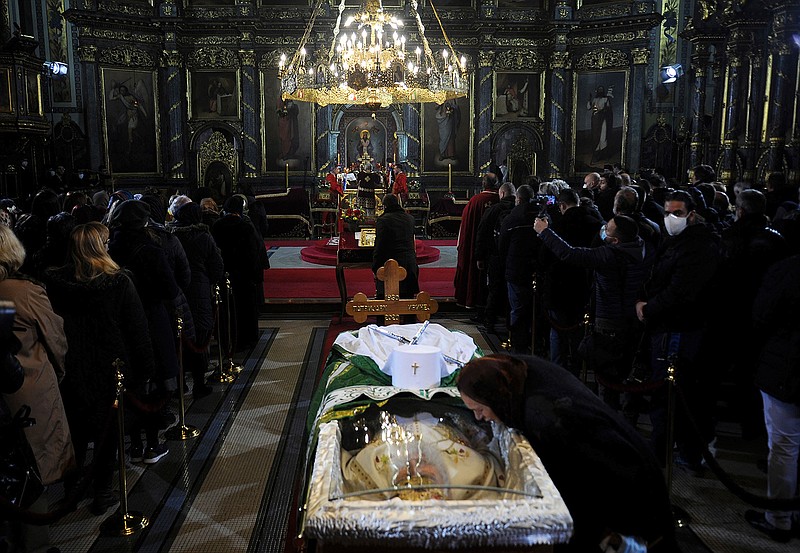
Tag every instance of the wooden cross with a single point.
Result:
(415, 366)
(360, 307)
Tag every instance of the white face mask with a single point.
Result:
(674, 224)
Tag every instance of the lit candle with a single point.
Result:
(449, 177)
(338, 159)
(287, 176)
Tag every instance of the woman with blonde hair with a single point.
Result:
(104, 321)
(40, 333)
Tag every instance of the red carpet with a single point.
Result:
(321, 283)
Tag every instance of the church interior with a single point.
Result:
(277, 102)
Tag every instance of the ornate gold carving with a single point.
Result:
(559, 60)
(484, 138)
(217, 148)
(555, 135)
(87, 53)
(125, 9)
(558, 106)
(207, 41)
(175, 138)
(175, 106)
(121, 35)
(600, 39)
(250, 139)
(247, 57)
(248, 106)
(217, 12)
(522, 16)
(645, 7)
(486, 108)
(735, 61)
(171, 58)
(485, 78)
(280, 40)
(485, 58)
(699, 71)
(213, 57)
(598, 12)
(270, 60)
(602, 58)
(641, 56)
(520, 42)
(126, 56)
(518, 60)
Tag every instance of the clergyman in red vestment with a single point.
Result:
(470, 290)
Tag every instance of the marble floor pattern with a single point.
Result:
(230, 489)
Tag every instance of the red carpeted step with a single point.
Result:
(321, 253)
(321, 283)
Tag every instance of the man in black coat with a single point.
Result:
(487, 254)
(394, 239)
(566, 286)
(675, 306)
(243, 253)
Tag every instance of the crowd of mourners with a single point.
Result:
(627, 277)
(99, 283)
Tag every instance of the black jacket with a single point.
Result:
(620, 271)
(519, 245)
(678, 291)
(394, 239)
(604, 469)
(486, 241)
(775, 316)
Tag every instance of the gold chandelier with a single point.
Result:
(370, 62)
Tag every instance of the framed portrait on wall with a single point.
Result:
(447, 136)
(600, 120)
(130, 120)
(33, 93)
(517, 96)
(5, 90)
(287, 128)
(214, 94)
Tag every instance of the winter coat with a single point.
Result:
(42, 356)
(678, 291)
(519, 245)
(619, 272)
(775, 316)
(136, 251)
(394, 239)
(207, 270)
(103, 320)
(603, 468)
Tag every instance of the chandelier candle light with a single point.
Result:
(371, 62)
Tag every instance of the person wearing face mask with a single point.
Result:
(675, 304)
(619, 270)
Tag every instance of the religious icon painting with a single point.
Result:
(446, 136)
(599, 127)
(33, 93)
(5, 91)
(214, 94)
(130, 121)
(287, 128)
(516, 96)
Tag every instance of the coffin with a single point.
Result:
(412, 469)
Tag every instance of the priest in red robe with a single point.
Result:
(470, 287)
(400, 185)
(334, 181)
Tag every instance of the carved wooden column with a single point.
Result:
(485, 84)
(326, 141)
(780, 103)
(251, 108)
(174, 99)
(641, 57)
(94, 125)
(411, 121)
(557, 152)
(699, 69)
(755, 113)
(733, 106)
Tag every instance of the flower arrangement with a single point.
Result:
(352, 216)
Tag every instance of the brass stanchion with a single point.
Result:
(587, 330)
(679, 516)
(122, 522)
(220, 375)
(533, 317)
(233, 369)
(182, 431)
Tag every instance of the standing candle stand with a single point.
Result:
(679, 516)
(232, 369)
(182, 431)
(122, 522)
(220, 375)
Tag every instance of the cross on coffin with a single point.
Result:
(360, 307)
